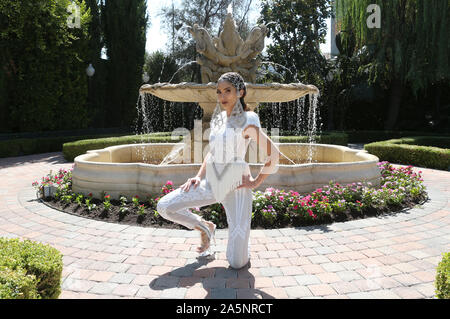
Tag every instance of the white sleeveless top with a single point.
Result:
(226, 165)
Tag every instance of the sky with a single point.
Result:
(157, 39)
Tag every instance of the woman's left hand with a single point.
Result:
(248, 181)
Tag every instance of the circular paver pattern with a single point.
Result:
(391, 256)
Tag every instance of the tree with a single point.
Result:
(43, 55)
(160, 67)
(124, 23)
(409, 50)
(97, 88)
(209, 14)
(297, 28)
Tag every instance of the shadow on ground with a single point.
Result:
(49, 158)
(219, 282)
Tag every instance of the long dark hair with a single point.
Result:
(244, 105)
(238, 82)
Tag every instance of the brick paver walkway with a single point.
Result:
(382, 257)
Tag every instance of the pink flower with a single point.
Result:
(295, 207)
(281, 198)
(169, 183)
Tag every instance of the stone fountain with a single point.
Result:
(142, 169)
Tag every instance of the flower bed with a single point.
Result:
(400, 188)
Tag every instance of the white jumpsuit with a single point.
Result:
(237, 203)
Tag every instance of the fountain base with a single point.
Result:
(133, 169)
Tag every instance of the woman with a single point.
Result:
(224, 175)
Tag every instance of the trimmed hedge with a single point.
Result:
(29, 270)
(324, 138)
(411, 151)
(374, 136)
(28, 146)
(442, 282)
(73, 149)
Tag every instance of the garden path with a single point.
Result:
(381, 257)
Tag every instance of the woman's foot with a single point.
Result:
(205, 237)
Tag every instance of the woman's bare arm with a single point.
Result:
(202, 171)
(272, 151)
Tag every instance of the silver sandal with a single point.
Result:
(211, 235)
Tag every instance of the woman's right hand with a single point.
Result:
(193, 180)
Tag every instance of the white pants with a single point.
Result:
(238, 208)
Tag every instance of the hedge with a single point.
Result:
(324, 138)
(442, 282)
(374, 136)
(28, 146)
(73, 149)
(411, 151)
(44, 59)
(29, 270)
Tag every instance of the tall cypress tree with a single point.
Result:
(410, 49)
(97, 83)
(124, 24)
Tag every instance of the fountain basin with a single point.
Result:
(206, 93)
(121, 170)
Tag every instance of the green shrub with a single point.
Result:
(324, 138)
(28, 146)
(359, 136)
(44, 60)
(73, 149)
(411, 151)
(442, 282)
(29, 260)
(16, 284)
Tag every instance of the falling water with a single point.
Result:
(302, 119)
(141, 113)
(162, 68)
(185, 65)
(167, 115)
(313, 129)
(291, 115)
(300, 106)
(283, 67)
(271, 72)
(175, 154)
